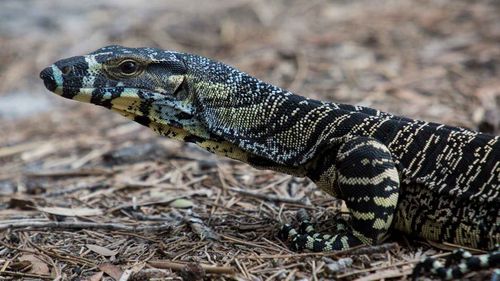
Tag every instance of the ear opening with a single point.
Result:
(170, 76)
(180, 86)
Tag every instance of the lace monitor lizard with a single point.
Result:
(439, 182)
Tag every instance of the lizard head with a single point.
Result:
(182, 96)
(144, 84)
(157, 87)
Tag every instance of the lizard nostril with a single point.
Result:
(48, 79)
(66, 70)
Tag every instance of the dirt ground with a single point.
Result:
(88, 195)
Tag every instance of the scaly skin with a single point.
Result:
(434, 181)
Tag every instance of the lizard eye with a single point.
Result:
(128, 67)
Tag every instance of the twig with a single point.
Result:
(233, 210)
(336, 254)
(145, 203)
(25, 275)
(350, 251)
(239, 241)
(16, 149)
(197, 225)
(156, 201)
(240, 267)
(179, 266)
(70, 173)
(63, 256)
(301, 73)
(78, 187)
(84, 225)
(194, 248)
(386, 274)
(272, 198)
(291, 274)
(368, 250)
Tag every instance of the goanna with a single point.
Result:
(439, 182)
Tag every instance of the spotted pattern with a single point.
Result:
(424, 179)
(457, 264)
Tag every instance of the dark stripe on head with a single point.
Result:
(73, 80)
(97, 97)
(143, 120)
(193, 139)
(146, 103)
(70, 93)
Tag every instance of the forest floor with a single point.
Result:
(88, 195)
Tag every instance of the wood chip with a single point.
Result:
(103, 251)
(37, 265)
(71, 212)
(112, 270)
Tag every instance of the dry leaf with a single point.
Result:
(181, 203)
(112, 270)
(21, 202)
(37, 265)
(103, 251)
(95, 277)
(20, 265)
(71, 212)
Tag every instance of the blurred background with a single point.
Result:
(437, 60)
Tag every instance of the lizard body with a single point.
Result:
(435, 181)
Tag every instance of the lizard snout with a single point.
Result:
(48, 79)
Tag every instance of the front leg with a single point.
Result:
(363, 174)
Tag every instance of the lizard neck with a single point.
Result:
(262, 119)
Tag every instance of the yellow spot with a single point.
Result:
(390, 201)
(363, 216)
(381, 224)
(363, 238)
